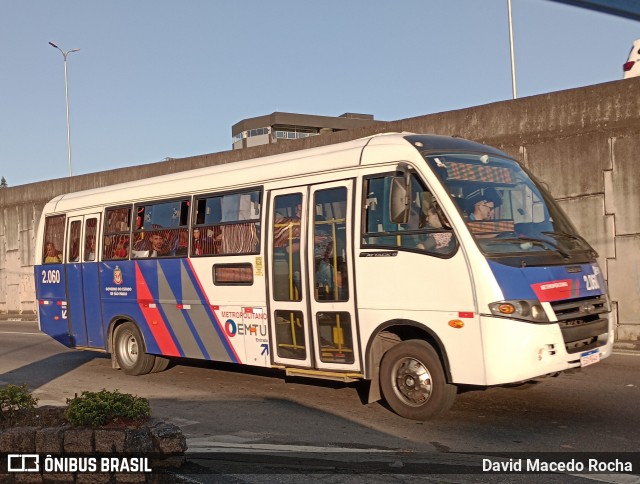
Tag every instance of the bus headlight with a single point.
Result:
(529, 310)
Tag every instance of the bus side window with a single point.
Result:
(53, 239)
(115, 243)
(426, 230)
(161, 229)
(227, 224)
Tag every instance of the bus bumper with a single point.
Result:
(516, 351)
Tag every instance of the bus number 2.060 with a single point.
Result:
(592, 282)
(50, 277)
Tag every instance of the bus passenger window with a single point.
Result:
(116, 240)
(53, 239)
(161, 229)
(227, 224)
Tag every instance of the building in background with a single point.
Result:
(276, 127)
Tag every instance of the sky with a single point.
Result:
(158, 79)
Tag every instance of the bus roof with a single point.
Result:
(255, 171)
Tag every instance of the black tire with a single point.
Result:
(129, 350)
(160, 364)
(401, 370)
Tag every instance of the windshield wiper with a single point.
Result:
(584, 245)
(532, 240)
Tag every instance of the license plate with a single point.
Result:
(589, 357)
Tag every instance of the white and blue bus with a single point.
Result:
(419, 263)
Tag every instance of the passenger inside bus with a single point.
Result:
(438, 241)
(324, 260)
(182, 244)
(90, 248)
(153, 245)
(121, 250)
(74, 255)
(51, 254)
(158, 246)
(206, 240)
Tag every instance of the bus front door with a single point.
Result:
(288, 308)
(312, 309)
(83, 285)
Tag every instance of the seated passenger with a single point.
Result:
(158, 247)
(182, 244)
(51, 254)
(122, 249)
(438, 241)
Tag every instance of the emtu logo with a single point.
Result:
(230, 327)
(23, 463)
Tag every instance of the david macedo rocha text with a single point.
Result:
(569, 465)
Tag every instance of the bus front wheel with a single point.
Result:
(413, 381)
(130, 352)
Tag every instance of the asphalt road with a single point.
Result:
(251, 425)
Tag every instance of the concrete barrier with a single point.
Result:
(582, 142)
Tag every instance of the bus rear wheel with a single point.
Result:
(413, 381)
(130, 352)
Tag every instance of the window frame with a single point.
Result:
(62, 236)
(106, 233)
(364, 234)
(258, 222)
(134, 231)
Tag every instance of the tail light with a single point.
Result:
(627, 66)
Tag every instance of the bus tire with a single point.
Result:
(413, 381)
(130, 351)
(160, 364)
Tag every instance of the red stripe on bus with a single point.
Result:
(153, 317)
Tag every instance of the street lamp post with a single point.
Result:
(66, 93)
(513, 59)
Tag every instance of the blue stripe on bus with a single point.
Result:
(516, 282)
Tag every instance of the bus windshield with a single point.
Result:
(508, 213)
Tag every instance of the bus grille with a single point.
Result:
(582, 321)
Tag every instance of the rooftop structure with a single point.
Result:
(276, 127)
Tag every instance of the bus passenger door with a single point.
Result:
(83, 290)
(288, 305)
(312, 309)
(330, 276)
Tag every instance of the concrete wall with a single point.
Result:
(582, 142)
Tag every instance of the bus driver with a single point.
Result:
(482, 203)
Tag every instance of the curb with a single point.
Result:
(32, 318)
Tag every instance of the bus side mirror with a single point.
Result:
(399, 200)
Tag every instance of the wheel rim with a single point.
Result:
(412, 382)
(128, 349)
